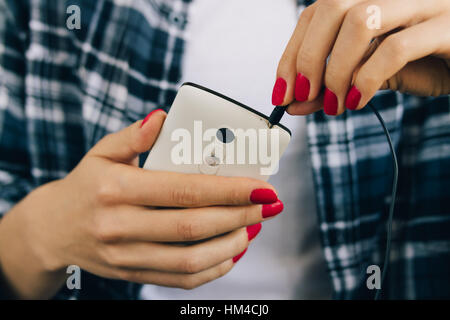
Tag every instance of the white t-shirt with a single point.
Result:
(233, 47)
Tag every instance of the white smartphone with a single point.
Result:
(208, 133)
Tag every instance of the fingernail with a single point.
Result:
(263, 196)
(253, 231)
(279, 91)
(353, 98)
(301, 88)
(239, 256)
(330, 103)
(149, 116)
(270, 210)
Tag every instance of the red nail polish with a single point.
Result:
(263, 196)
(330, 102)
(270, 210)
(239, 256)
(279, 91)
(253, 231)
(302, 87)
(353, 98)
(149, 116)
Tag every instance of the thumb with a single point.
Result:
(127, 144)
(428, 76)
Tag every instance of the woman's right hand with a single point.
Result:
(116, 220)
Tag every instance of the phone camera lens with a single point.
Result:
(225, 135)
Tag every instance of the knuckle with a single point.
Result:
(110, 137)
(104, 230)
(357, 18)
(191, 264)
(224, 268)
(136, 276)
(333, 76)
(233, 196)
(241, 242)
(247, 213)
(111, 257)
(189, 229)
(396, 46)
(189, 283)
(307, 60)
(102, 143)
(107, 191)
(185, 196)
(369, 80)
(122, 274)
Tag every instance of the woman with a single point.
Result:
(285, 261)
(67, 89)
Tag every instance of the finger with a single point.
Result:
(138, 224)
(356, 34)
(283, 92)
(127, 144)
(177, 259)
(304, 108)
(396, 51)
(174, 280)
(126, 184)
(316, 47)
(423, 77)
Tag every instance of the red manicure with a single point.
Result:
(149, 116)
(353, 98)
(302, 87)
(263, 196)
(330, 103)
(239, 256)
(253, 231)
(270, 210)
(279, 91)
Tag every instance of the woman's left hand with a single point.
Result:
(400, 45)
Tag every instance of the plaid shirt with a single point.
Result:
(62, 90)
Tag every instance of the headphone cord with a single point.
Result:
(393, 197)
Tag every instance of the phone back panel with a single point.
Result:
(208, 133)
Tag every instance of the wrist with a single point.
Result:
(28, 261)
(42, 225)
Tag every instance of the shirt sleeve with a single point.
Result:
(15, 178)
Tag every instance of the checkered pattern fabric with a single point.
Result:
(353, 173)
(62, 90)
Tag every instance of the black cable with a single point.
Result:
(393, 197)
(276, 115)
(275, 118)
